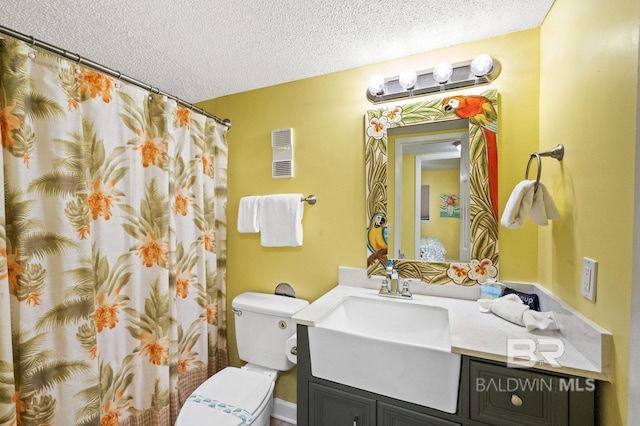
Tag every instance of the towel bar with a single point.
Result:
(557, 153)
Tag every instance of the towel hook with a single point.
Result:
(557, 152)
(526, 173)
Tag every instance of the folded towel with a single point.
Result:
(518, 205)
(248, 215)
(543, 208)
(526, 201)
(511, 308)
(280, 220)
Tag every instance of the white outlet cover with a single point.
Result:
(589, 275)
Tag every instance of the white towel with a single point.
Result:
(280, 219)
(526, 201)
(511, 308)
(543, 208)
(248, 215)
(519, 205)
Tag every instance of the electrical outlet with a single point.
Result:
(589, 275)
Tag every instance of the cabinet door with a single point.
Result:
(332, 407)
(389, 415)
(504, 396)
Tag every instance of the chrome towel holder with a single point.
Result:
(557, 153)
(311, 199)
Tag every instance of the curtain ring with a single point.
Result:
(526, 174)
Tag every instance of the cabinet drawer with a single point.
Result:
(389, 415)
(511, 396)
(333, 407)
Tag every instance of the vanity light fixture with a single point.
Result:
(483, 69)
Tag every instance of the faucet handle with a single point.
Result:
(405, 288)
(384, 288)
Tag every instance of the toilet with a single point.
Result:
(244, 396)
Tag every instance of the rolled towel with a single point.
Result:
(511, 308)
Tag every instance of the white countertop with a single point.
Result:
(485, 335)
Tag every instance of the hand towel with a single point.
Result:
(280, 220)
(511, 308)
(248, 215)
(519, 205)
(526, 201)
(534, 320)
(543, 208)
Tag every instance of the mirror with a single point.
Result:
(440, 119)
(428, 192)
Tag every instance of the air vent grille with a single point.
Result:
(282, 169)
(282, 149)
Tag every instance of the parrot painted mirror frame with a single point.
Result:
(481, 111)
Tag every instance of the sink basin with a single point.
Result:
(397, 348)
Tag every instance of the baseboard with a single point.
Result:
(285, 411)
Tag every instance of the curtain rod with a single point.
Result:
(113, 73)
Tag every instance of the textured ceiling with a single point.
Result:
(202, 49)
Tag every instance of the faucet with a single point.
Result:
(391, 288)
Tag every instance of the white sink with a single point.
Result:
(396, 348)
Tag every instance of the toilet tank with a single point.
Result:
(263, 325)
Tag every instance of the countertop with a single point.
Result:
(484, 335)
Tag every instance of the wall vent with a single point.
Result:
(282, 148)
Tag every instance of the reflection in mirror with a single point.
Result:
(385, 129)
(429, 172)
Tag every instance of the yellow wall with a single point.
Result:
(327, 115)
(589, 65)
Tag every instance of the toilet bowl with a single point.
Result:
(244, 396)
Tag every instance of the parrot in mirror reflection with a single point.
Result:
(377, 238)
(480, 112)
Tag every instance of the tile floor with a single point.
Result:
(276, 422)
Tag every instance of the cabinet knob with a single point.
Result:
(355, 421)
(516, 400)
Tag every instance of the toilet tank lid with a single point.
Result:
(271, 304)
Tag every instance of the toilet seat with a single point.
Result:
(232, 397)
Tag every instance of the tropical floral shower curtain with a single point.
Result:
(112, 247)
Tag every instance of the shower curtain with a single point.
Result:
(112, 247)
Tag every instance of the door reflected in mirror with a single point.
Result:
(430, 189)
(458, 243)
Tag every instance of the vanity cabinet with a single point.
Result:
(329, 406)
(490, 393)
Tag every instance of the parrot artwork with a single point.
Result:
(377, 238)
(480, 112)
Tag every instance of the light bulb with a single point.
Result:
(376, 84)
(481, 65)
(407, 79)
(442, 72)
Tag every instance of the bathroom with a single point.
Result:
(574, 81)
